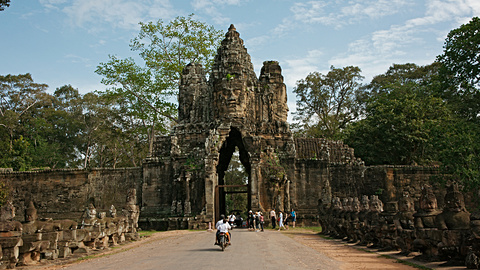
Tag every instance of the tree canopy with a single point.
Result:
(3, 4)
(399, 117)
(148, 92)
(460, 72)
(326, 104)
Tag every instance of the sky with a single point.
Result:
(61, 42)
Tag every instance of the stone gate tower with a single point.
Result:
(184, 176)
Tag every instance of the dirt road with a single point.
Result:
(250, 250)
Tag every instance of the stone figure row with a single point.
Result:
(37, 239)
(414, 227)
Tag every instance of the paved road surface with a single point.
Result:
(195, 250)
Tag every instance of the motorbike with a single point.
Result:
(222, 240)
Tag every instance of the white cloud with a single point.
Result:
(52, 4)
(379, 50)
(72, 58)
(299, 68)
(211, 8)
(343, 12)
(124, 14)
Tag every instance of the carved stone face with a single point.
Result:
(91, 212)
(355, 204)
(406, 204)
(375, 204)
(428, 201)
(365, 203)
(102, 215)
(454, 200)
(337, 203)
(231, 100)
(113, 211)
(31, 213)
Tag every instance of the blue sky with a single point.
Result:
(62, 41)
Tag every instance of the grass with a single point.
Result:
(146, 233)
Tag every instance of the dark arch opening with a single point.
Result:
(234, 141)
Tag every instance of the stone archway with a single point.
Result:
(184, 176)
(232, 142)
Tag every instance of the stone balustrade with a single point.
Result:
(448, 234)
(38, 239)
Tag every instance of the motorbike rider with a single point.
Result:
(220, 221)
(222, 227)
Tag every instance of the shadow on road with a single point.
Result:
(206, 249)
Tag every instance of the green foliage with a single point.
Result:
(168, 48)
(145, 93)
(66, 129)
(3, 4)
(273, 169)
(460, 70)
(192, 164)
(236, 175)
(458, 150)
(457, 139)
(326, 104)
(400, 116)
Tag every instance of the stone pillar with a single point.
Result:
(254, 181)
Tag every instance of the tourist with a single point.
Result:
(223, 227)
(285, 220)
(231, 220)
(280, 220)
(262, 221)
(294, 217)
(273, 217)
(250, 220)
(257, 221)
(217, 225)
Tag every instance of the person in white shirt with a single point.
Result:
(219, 222)
(223, 228)
(231, 220)
(273, 217)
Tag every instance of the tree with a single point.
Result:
(326, 104)
(3, 4)
(459, 148)
(165, 50)
(236, 175)
(21, 99)
(401, 116)
(461, 69)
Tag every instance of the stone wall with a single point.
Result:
(64, 193)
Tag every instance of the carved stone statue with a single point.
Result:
(455, 216)
(132, 210)
(11, 231)
(90, 216)
(427, 235)
(455, 221)
(112, 211)
(404, 221)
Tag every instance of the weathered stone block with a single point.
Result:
(7, 226)
(64, 252)
(83, 235)
(34, 246)
(11, 234)
(69, 235)
(51, 254)
(10, 242)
